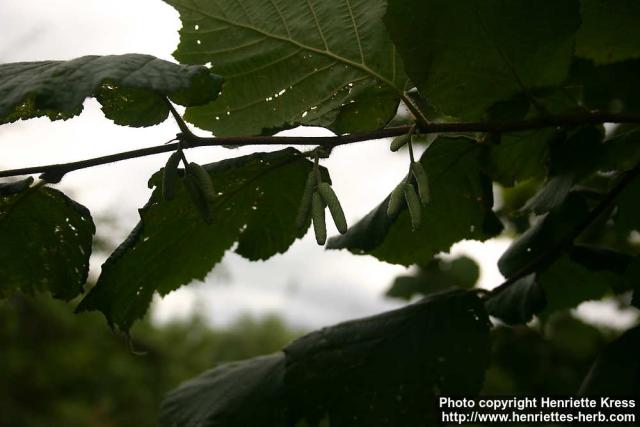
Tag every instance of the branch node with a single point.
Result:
(53, 175)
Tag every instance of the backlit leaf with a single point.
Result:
(288, 63)
(45, 243)
(464, 56)
(173, 245)
(130, 88)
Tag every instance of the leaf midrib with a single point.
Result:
(325, 52)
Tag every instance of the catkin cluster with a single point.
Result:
(316, 198)
(196, 180)
(405, 192)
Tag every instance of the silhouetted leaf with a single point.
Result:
(551, 195)
(172, 245)
(239, 394)
(381, 370)
(616, 372)
(466, 55)
(45, 244)
(437, 275)
(130, 88)
(607, 87)
(519, 156)
(600, 258)
(566, 284)
(460, 208)
(584, 273)
(627, 216)
(289, 63)
(15, 187)
(620, 150)
(609, 30)
(518, 303)
(548, 232)
(387, 369)
(571, 160)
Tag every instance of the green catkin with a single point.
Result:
(415, 209)
(203, 180)
(399, 142)
(395, 201)
(170, 176)
(197, 197)
(423, 182)
(305, 202)
(317, 213)
(332, 202)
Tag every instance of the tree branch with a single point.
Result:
(191, 140)
(196, 141)
(557, 250)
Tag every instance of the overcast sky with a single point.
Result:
(308, 286)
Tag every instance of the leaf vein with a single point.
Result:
(315, 19)
(361, 67)
(263, 66)
(230, 49)
(245, 11)
(355, 29)
(284, 22)
(300, 80)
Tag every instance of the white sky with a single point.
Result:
(308, 286)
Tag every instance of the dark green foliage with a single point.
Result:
(172, 245)
(45, 244)
(15, 187)
(616, 372)
(460, 208)
(607, 87)
(292, 63)
(571, 159)
(436, 275)
(518, 303)
(566, 284)
(222, 396)
(609, 31)
(529, 74)
(549, 361)
(355, 368)
(548, 232)
(464, 56)
(529, 150)
(584, 273)
(352, 371)
(627, 216)
(61, 369)
(131, 88)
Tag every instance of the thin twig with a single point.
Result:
(550, 255)
(191, 140)
(178, 119)
(329, 141)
